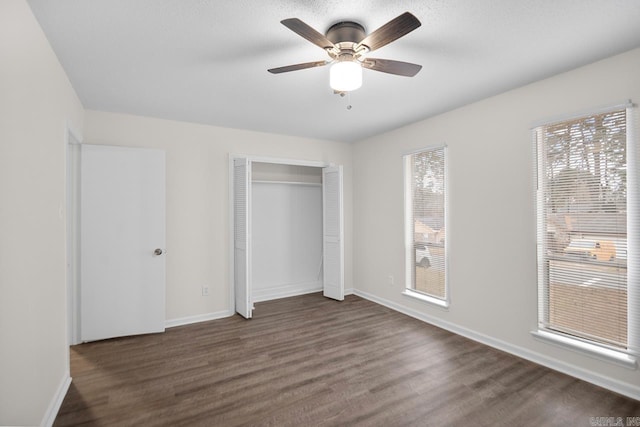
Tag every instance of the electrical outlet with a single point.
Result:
(205, 291)
(390, 280)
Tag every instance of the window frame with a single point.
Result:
(409, 288)
(622, 357)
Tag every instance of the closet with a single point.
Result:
(287, 230)
(286, 238)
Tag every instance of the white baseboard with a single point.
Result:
(171, 323)
(56, 402)
(285, 291)
(612, 384)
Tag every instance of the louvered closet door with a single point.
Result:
(333, 241)
(241, 236)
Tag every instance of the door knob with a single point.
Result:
(157, 252)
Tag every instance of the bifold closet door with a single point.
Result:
(333, 233)
(242, 236)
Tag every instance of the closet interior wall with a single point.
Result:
(286, 235)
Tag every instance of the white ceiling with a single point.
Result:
(206, 61)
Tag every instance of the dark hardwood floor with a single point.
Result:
(312, 361)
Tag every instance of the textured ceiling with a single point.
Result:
(206, 61)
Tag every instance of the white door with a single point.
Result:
(122, 241)
(332, 238)
(242, 236)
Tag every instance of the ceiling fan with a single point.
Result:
(348, 46)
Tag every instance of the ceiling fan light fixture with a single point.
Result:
(348, 47)
(345, 76)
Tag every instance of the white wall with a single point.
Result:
(492, 224)
(286, 239)
(198, 196)
(36, 100)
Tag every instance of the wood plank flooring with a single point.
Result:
(312, 361)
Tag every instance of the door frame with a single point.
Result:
(72, 142)
(254, 159)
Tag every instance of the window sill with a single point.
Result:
(608, 355)
(426, 298)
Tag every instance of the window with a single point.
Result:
(585, 208)
(425, 210)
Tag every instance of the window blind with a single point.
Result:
(583, 215)
(426, 190)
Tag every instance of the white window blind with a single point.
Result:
(587, 288)
(425, 192)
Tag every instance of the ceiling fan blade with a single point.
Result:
(304, 30)
(392, 67)
(296, 67)
(390, 31)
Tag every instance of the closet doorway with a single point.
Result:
(287, 230)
